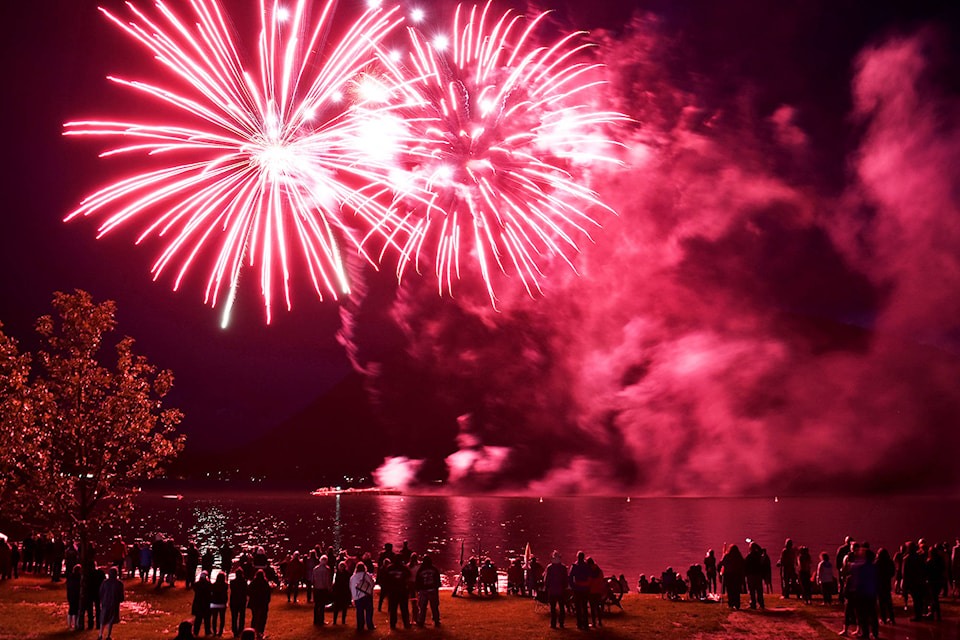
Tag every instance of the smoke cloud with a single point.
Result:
(747, 324)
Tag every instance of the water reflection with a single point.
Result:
(643, 535)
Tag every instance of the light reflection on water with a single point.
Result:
(642, 535)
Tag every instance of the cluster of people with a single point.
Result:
(863, 580)
(583, 583)
(329, 579)
(35, 554)
(482, 576)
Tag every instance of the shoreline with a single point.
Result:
(35, 607)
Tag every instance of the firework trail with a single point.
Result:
(270, 156)
(500, 127)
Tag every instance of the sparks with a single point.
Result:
(268, 157)
(502, 127)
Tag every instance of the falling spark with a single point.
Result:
(269, 159)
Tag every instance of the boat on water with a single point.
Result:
(370, 491)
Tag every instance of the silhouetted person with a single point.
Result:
(90, 603)
(74, 621)
(804, 572)
(394, 582)
(470, 573)
(293, 575)
(219, 596)
(935, 568)
(111, 595)
(201, 604)
(710, 567)
(238, 602)
(258, 601)
(864, 575)
(788, 569)
(555, 584)
(428, 591)
(914, 581)
(732, 572)
(886, 571)
(341, 592)
(842, 552)
(597, 589)
(580, 583)
(753, 569)
(698, 582)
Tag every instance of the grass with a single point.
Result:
(36, 608)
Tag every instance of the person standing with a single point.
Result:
(321, 579)
(201, 604)
(597, 589)
(238, 602)
(753, 569)
(293, 575)
(395, 578)
(805, 572)
(428, 591)
(710, 566)
(111, 595)
(914, 581)
(90, 603)
(826, 578)
(935, 568)
(146, 559)
(788, 569)
(732, 572)
(886, 570)
(555, 584)
(580, 583)
(361, 589)
(219, 595)
(341, 592)
(258, 601)
(73, 599)
(864, 575)
(842, 552)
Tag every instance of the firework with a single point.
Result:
(500, 127)
(270, 155)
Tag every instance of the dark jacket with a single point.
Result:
(201, 597)
(238, 593)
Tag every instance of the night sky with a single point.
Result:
(776, 306)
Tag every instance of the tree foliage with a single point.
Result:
(20, 437)
(98, 430)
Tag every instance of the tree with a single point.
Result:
(105, 429)
(20, 439)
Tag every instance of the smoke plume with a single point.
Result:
(751, 322)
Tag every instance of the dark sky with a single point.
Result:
(775, 305)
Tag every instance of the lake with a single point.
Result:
(629, 536)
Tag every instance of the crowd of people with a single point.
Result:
(329, 579)
(860, 579)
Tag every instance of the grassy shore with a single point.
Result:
(36, 608)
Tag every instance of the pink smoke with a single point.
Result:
(737, 329)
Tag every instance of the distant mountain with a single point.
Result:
(334, 437)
